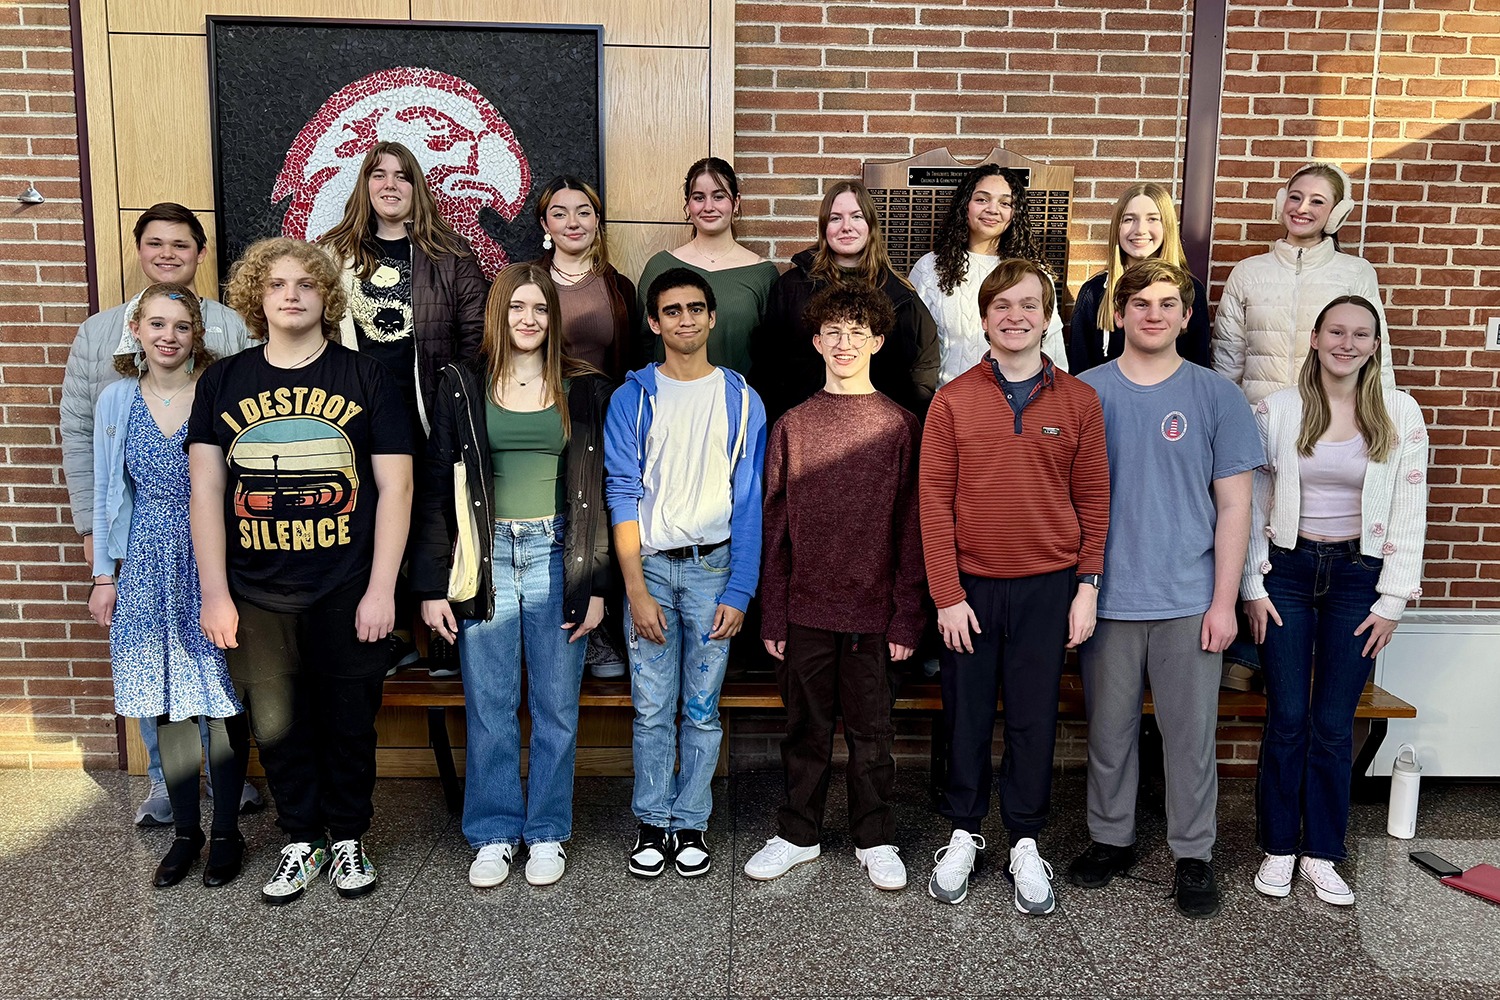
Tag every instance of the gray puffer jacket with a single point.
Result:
(91, 367)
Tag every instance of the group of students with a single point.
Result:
(863, 449)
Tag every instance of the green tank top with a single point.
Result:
(526, 458)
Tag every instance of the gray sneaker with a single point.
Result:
(1033, 879)
(950, 879)
(156, 808)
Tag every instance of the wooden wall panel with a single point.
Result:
(631, 244)
(190, 16)
(656, 124)
(162, 143)
(99, 157)
(207, 283)
(626, 22)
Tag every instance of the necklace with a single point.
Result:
(167, 400)
(514, 377)
(713, 260)
(316, 351)
(570, 275)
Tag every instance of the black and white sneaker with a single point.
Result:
(299, 865)
(649, 857)
(691, 853)
(350, 869)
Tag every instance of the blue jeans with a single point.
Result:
(1314, 674)
(690, 667)
(528, 575)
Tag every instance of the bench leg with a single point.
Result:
(1371, 788)
(442, 751)
(938, 776)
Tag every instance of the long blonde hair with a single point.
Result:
(497, 347)
(1370, 415)
(1170, 250)
(352, 239)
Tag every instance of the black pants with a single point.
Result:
(1018, 653)
(823, 672)
(181, 747)
(311, 690)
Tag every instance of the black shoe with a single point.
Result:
(1096, 867)
(690, 853)
(1196, 891)
(651, 853)
(179, 860)
(399, 653)
(442, 657)
(226, 855)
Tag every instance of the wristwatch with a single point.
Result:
(1092, 579)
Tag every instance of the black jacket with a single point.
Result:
(786, 368)
(459, 434)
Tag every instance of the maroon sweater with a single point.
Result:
(1004, 499)
(843, 546)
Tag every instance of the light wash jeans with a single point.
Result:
(689, 667)
(527, 623)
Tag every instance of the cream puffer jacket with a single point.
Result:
(1264, 324)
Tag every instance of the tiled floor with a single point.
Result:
(78, 917)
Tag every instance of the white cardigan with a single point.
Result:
(1263, 329)
(961, 340)
(1393, 503)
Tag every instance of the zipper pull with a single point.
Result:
(1299, 259)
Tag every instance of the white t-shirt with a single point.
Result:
(686, 478)
(960, 330)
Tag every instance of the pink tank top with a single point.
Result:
(1333, 480)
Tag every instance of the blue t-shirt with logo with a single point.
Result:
(1167, 444)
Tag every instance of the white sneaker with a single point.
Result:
(1033, 878)
(950, 879)
(350, 869)
(1326, 881)
(883, 865)
(545, 862)
(155, 809)
(491, 865)
(777, 858)
(1275, 876)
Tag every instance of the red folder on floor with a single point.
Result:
(1481, 880)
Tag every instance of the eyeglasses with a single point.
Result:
(856, 340)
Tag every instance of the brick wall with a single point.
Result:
(821, 87)
(1422, 155)
(55, 704)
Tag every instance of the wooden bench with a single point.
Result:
(416, 689)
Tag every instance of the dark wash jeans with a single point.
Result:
(1314, 674)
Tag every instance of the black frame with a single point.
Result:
(215, 20)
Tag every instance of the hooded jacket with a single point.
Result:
(787, 369)
(1263, 329)
(460, 434)
(447, 312)
(631, 412)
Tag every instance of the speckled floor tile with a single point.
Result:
(597, 932)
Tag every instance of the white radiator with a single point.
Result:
(1447, 664)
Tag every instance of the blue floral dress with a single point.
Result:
(163, 663)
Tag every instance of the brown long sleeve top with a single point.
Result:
(1007, 495)
(843, 548)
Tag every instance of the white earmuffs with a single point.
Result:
(1341, 210)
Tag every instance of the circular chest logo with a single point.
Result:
(1174, 426)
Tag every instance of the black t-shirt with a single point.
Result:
(382, 312)
(299, 506)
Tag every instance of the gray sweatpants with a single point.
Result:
(1185, 689)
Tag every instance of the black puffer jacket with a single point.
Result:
(447, 306)
(786, 368)
(459, 434)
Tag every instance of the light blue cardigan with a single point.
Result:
(114, 496)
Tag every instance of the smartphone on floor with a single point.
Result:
(1436, 865)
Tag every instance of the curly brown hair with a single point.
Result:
(200, 358)
(951, 244)
(247, 282)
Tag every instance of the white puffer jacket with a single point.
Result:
(1264, 325)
